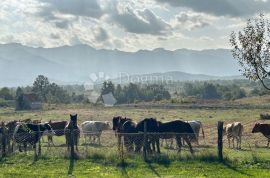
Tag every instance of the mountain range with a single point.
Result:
(19, 65)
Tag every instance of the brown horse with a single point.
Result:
(58, 127)
(76, 132)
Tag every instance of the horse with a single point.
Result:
(58, 127)
(152, 139)
(178, 129)
(72, 124)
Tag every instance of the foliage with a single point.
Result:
(251, 47)
(51, 92)
(6, 103)
(5, 94)
(41, 86)
(135, 93)
(208, 90)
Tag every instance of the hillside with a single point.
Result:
(19, 64)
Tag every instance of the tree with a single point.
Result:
(19, 99)
(209, 91)
(251, 47)
(107, 87)
(19, 92)
(40, 87)
(5, 94)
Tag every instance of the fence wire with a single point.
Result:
(110, 144)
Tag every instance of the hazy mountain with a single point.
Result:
(167, 77)
(19, 64)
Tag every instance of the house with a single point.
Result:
(108, 99)
(28, 101)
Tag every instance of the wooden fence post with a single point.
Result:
(72, 154)
(145, 141)
(220, 142)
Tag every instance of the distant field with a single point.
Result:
(104, 162)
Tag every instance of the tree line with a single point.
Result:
(49, 92)
(133, 93)
(205, 90)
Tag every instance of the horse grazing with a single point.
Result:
(30, 133)
(152, 139)
(58, 127)
(178, 129)
(72, 124)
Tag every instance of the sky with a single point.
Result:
(126, 25)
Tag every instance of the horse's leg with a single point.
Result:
(229, 142)
(158, 145)
(77, 143)
(171, 144)
(126, 142)
(118, 142)
(268, 142)
(183, 141)
(52, 141)
(24, 146)
(12, 145)
(189, 144)
(20, 147)
(35, 150)
(153, 142)
(179, 143)
(233, 142)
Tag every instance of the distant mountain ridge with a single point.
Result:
(166, 77)
(19, 65)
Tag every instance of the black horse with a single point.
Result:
(127, 128)
(27, 133)
(177, 129)
(152, 139)
(76, 132)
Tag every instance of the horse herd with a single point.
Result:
(29, 132)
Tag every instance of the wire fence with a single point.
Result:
(108, 144)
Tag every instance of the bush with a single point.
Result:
(6, 103)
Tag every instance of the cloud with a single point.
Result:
(88, 8)
(101, 34)
(140, 21)
(231, 8)
(62, 13)
(191, 20)
(55, 36)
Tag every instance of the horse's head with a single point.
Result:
(256, 128)
(116, 122)
(73, 119)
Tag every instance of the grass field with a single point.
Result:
(103, 163)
